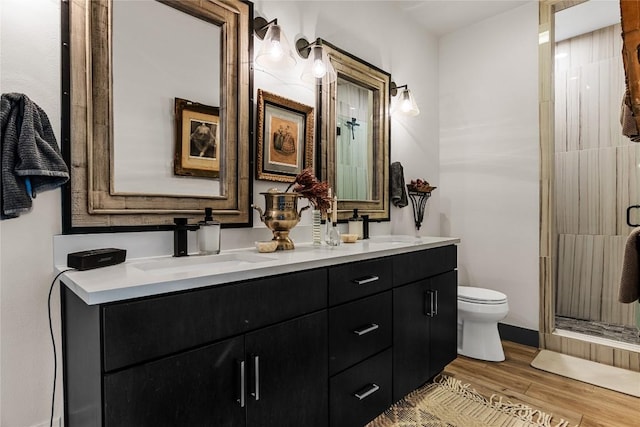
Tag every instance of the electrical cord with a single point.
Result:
(53, 342)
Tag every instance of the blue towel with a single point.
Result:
(31, 159)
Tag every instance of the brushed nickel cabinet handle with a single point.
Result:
(241, 399)
(367, 391)
(433, 301)
(428, 303)
(366, 279)
(256, 377)
(366, 329)
(436, 304)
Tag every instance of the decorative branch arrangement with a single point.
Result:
(309, 187)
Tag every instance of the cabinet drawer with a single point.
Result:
(358, 279)
(146, 329)
(358, 330)
(361, 393)
(414, 266)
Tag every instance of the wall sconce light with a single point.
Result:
(275, 51)
(404, 103)
(318, 68)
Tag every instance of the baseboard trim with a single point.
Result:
(519, 335)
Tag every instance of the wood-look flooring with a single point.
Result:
(582, 404)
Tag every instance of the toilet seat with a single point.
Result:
(475, 295)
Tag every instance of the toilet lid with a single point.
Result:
(480, 295)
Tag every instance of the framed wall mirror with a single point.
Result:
(140, 80)
(353, 132)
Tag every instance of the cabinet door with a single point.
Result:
(444, 323)
(288, 373)
(411, 305)
(195, 388)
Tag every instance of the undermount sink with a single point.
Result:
(191, 263)
(394, 240)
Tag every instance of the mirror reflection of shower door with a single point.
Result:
(596, 178)
(354, 143)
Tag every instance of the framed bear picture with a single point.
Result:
(197, 139)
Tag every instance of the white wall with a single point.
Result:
(30, 37)
(489, 156)
(30, 46)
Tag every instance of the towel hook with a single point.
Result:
(629, 215)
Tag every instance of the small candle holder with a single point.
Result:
(332, 236)
(419, 196)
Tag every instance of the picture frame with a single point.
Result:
(284, 137)
(198, 142)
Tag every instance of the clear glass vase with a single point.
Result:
(316, 227)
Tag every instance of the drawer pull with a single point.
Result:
(366, 329)
(367, 391)
(366, 279)
(240, 399)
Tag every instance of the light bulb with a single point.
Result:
(275, 51)
(319, 68)
(406, 106)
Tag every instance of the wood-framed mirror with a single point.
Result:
(354, 133)
(129, 68)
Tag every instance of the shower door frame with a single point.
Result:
(549, 339)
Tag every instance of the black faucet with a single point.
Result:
(365, 226)
(180, 236)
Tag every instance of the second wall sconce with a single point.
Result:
(404, 103)
(275, 51)
(318, 68)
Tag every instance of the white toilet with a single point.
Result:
(479, 311)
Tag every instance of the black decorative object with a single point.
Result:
(419, 192)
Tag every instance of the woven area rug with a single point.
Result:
(448, 403)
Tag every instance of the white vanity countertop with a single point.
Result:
(152, 276)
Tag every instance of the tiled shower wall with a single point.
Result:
(597, 177)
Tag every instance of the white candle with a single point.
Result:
(334, 210)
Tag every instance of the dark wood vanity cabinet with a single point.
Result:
(424, 317)
(328, 346)
(252, 353)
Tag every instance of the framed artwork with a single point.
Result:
(284, 138)
(197, 139)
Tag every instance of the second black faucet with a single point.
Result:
(180, 236)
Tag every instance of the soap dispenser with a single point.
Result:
(208, 234)
(355, 224)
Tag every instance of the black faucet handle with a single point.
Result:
(181, 224)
